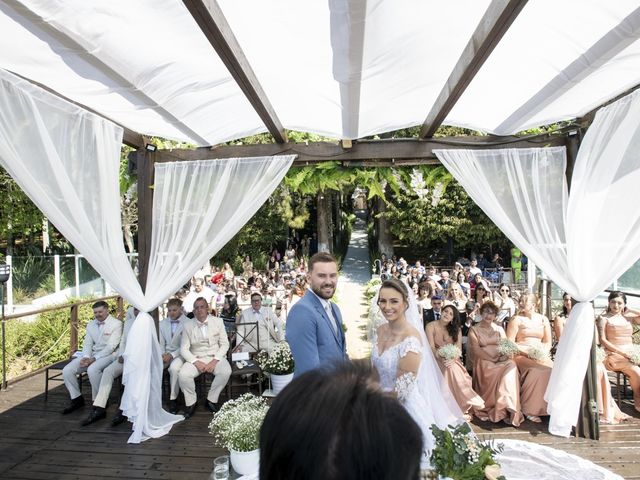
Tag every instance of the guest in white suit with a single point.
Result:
(98, 351)
(270, 328)
(109, 374)
(203, 347)
(170, 336)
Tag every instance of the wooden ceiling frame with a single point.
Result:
(492, 27)
(209, 17)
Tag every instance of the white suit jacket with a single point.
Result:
(270, 330)
(170, 343)
(102, 342)
(193, 345)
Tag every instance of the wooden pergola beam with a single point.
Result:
(366, 153)
(209, 17)
(492, 27)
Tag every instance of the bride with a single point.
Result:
(406, 365)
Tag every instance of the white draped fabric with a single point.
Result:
(582, 240)
(67, 161)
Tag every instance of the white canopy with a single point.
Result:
(345, 69)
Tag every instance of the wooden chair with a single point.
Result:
(251, 374)
(621, 390)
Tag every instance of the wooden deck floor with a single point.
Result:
(37, 442)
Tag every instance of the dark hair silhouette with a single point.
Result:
(453, 327)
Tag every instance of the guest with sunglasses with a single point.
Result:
(502, 298)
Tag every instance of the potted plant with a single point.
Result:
(236, 427)
(278, 364)
(460, 455)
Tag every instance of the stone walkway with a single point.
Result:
(356, 272)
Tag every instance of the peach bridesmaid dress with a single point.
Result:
(618, 330)
(458, 380)
(534, 375)
(497, 382)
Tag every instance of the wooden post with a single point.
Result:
(146, 178)
(74, 329)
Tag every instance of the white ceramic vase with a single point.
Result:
(245, 463)
(278, 382)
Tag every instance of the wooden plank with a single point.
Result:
(389, 152)
(209, 17)
(494, 24)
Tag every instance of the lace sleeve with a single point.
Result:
(410, 344)
(405, 384)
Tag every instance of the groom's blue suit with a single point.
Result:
(313, 340)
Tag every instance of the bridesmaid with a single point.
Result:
(615, 329)
(495, 377)
(530, 329)
(447, 331)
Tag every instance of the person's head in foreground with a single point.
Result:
(335, 424)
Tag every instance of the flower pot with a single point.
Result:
(245, 463)
(278, 382)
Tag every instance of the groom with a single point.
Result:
(314, 324)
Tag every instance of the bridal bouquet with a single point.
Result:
(460, 455)
(449, 352)
(634, 354)
(538, 354)
(507, 348)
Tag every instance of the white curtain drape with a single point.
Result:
(582, 240)
(67, 160)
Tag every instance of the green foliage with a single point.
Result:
(459, 454)
(45, 340)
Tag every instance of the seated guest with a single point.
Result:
(199, 290)
(530, 330)
(456, 297)
(98, 351)
(170, 337)
(203, 348)
(445, 281)
(495, 377)
(344, 428)
(229, 312)
(109, 374)
(433, 313)
(270, 328)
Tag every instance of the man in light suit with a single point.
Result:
(203, 347)
(109, 374)
(314, 324)
(270, 328)
(170, 336)
(98, 351)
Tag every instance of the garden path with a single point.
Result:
(356, 272)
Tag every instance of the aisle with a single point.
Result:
(356, 271)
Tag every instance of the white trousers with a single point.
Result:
(174, 372)
(94, 371)
(187, 376)
(109, 374)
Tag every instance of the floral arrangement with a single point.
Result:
(236, 426)
(449, 352)
(600, 354)
(538, 354)
(279, 362)
(460, 455)
(634, 354)
(507, 348)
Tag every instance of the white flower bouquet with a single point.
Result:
(600, 354)
(507, 348)
(634, 354)
(279, 362)
(236, 426)
(538, 354)
(449, 352)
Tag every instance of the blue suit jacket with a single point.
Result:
(313, 340)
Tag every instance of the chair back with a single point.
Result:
(247, 334)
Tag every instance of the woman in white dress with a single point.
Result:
(406, 365)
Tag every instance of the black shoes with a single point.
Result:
(118, 419)
(189, 411)
(173, 406)
(98, 413)
(212, 407)
(74, 405)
